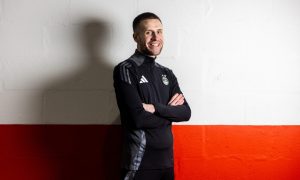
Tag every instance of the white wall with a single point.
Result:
(237, 61)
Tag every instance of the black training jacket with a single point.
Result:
(148, 139)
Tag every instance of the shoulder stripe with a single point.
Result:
(128, 77)
(124, 72)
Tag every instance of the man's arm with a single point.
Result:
(174, 113)
(177, 109)
(130, 103)
(176, 100)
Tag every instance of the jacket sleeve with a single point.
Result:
(174, 113)
(130, 103)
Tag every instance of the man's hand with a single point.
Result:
(177, 99)
(149, 107)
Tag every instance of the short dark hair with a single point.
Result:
(141, 17)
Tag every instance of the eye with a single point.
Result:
(148, 32)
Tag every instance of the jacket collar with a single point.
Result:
(140, 58)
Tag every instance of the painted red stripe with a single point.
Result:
(237, 152)
(62, 152)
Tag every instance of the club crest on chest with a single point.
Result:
(165, 80)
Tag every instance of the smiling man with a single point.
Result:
(148, 35)
(149, 100)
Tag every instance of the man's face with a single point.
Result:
(149, 37)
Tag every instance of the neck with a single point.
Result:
(152, 56)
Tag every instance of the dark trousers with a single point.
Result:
(148, 174)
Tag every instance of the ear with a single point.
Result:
(135, 36)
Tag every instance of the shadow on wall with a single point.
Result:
(84, 97)
(87, 95)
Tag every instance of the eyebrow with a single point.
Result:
(154, 29)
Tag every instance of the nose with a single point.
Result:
(154, 36)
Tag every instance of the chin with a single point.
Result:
(154, 53)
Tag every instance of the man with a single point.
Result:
(149, 100)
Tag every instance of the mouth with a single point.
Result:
(153, 47)
(154, 44)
